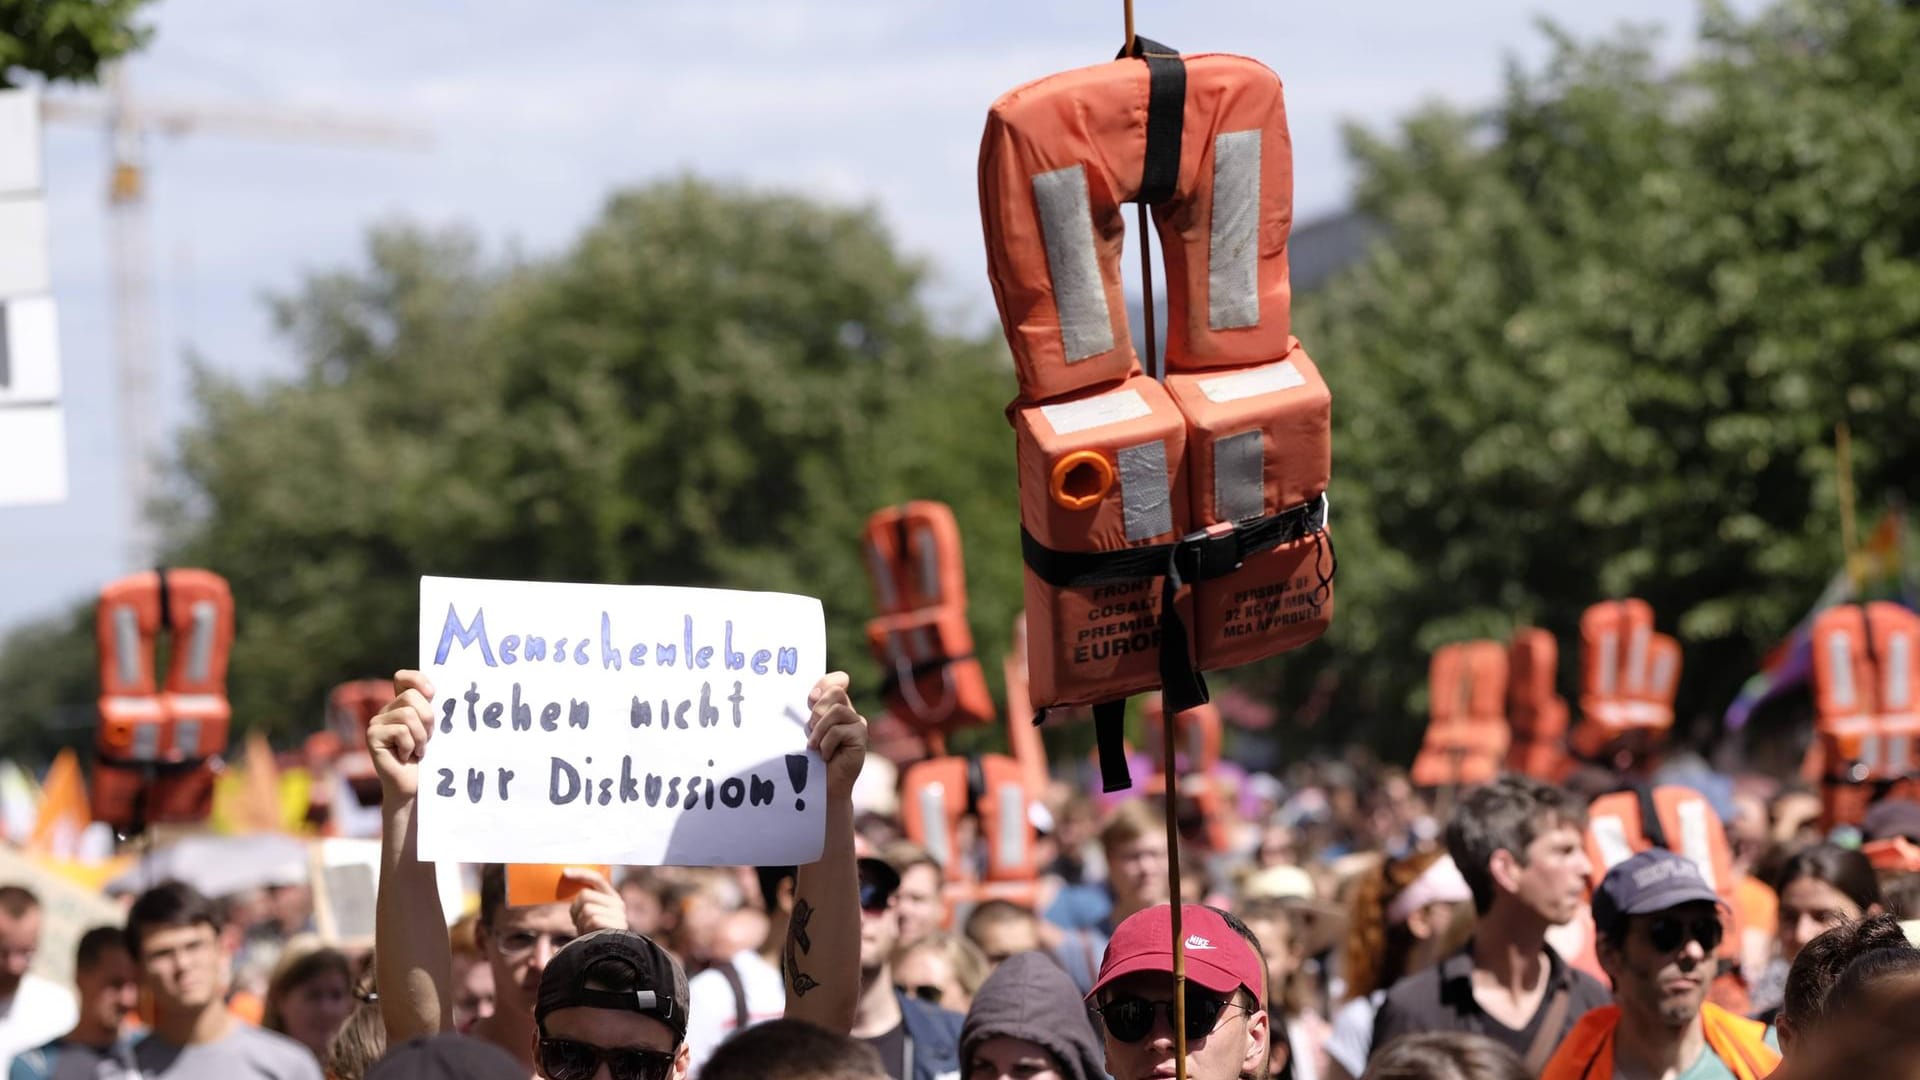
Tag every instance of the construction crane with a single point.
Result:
(127, 123)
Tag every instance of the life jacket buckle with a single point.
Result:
(1213, 552)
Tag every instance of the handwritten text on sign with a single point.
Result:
(619, 724)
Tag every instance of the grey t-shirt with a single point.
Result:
(247, 1054)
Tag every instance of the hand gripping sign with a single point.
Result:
(920, 635)
(1467, 735)
(156, 738)
(1213, 485)
(1866, 663)
(1536, 712)
(1629, 677)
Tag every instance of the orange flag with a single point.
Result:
(64, 809)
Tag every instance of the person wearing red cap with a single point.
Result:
(1226, 1028)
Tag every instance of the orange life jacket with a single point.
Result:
(920, 635)
(1167, 530)
(1587, 1051)
(938, 794)
(1622, 824)
(351, 706)
(1198, 734)
(1536, 712)
(1630, 674)
(1467, 734)
(1866, 661)
(156, 739)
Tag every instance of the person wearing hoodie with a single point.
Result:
(1029, 1023)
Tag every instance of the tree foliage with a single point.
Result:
(1603, 346)
(711, 387)
(66, 40)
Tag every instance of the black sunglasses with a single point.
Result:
(929, 994)
(874, 896)
(1130, 1019)
(1668, 934)
(565, 1059)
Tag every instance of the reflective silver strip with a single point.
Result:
(882, 578)
(1637, 659)
(1147, 507)
(1840, 688)
(929, 557)
(933, 811)
(127, 646)
(1899, 755)
(1233, 242)
(1663, 673)
(1238, 463)
(1609, 663)
(1870, 753)
(1693, 839)
(1899, 689)
(200, 651)
(146, 742)
(1610, 836)
(186, 738)
(1010, 843)
(1080, 296)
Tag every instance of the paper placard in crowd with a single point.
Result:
(68, 911)
(346, 882)
(624, 724)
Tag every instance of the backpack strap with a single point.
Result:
(741, 1015)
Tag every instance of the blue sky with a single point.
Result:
(537, 112)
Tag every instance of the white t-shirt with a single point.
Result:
(40, 1012)
(1352, 1038)
(712, 1011)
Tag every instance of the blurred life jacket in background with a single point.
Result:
(1467, 736)
(1629, 676)
(919, 636)
(1166, 530)
(1536, 712)
(946, 800)
(157, 739)
(1866, 661)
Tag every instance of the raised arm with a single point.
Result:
(413, 960)
(822, 957)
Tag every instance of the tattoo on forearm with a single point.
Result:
(802, 914)
(798, 942)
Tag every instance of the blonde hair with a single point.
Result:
(970, 967)
(359, 1043)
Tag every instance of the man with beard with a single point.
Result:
(1518, 843)
(1659, 923)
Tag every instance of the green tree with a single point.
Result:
(66, 40)
(1605, 340)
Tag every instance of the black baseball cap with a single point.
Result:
(1652, 881)
(659, 984)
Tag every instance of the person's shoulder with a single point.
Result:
(1587, 989)
(1422, 985)
(291, 1060)
(945, 1021)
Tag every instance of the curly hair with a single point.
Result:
(1376, 954)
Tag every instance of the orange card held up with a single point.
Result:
(528, 885)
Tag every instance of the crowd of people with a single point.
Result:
(1336, 922)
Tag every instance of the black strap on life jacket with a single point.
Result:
(1211, 553)
(1166, 117)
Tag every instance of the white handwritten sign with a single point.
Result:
(623, 724)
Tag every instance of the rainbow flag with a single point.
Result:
(1790, 665)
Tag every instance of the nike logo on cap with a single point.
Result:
(1195, 941)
